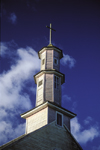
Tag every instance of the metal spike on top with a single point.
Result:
(50, 44)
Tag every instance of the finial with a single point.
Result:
(50, 44)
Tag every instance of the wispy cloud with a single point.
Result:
(68, 61)
(14, 98)
(8, 48)
(12, 18)
(74, 106)
(66, 97)
(84, 135)
(7, 131)
(88, 120)
(11, 82)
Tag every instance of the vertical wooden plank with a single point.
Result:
(48, 87)
(39, 99)
(43, 57)
(56, 55)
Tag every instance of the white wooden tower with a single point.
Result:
(48, 96)
(49, 79)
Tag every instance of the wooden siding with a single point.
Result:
(43, 56)
(43, 117)
(52, 117)
(49, 59)
(49, 87)
(56, 55)
(66, 121)
(57, 94)
(47, 90)
(49, 56)
(39, 98)
(36, 121)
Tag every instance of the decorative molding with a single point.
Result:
(50, 48)
(52, 71)
(48, 104)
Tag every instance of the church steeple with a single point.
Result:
(48, 96)
(49, 79)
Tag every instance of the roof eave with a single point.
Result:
(52, 71)
(44, 105)
(48, 48)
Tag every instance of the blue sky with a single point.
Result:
(23, 34)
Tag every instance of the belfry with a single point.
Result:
(49, 79)
(48, 124)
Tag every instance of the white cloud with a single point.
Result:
(68, 60)
(12, 83)
(3, 113)
(32, 89)
(88, 120)
(3, 49)
(74, 105)
(66, 98)
(8, 132)
(13, 18)
(83, 136)
(8, 48)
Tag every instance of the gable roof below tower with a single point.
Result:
(49, 137)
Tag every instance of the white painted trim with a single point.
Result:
(26, 127)
(33, 111)
(43, 86)
(48, 72)
(42, 55)
(56, 82)
(45, 60)
(62, 110)
(53, 89)
(48, 48)
(36, 95)
(47, 115)
(52, 59)
(38, 108)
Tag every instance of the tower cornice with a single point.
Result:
(51, 71)
(51, 105)
(50, 47)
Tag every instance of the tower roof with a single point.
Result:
(50, 47)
